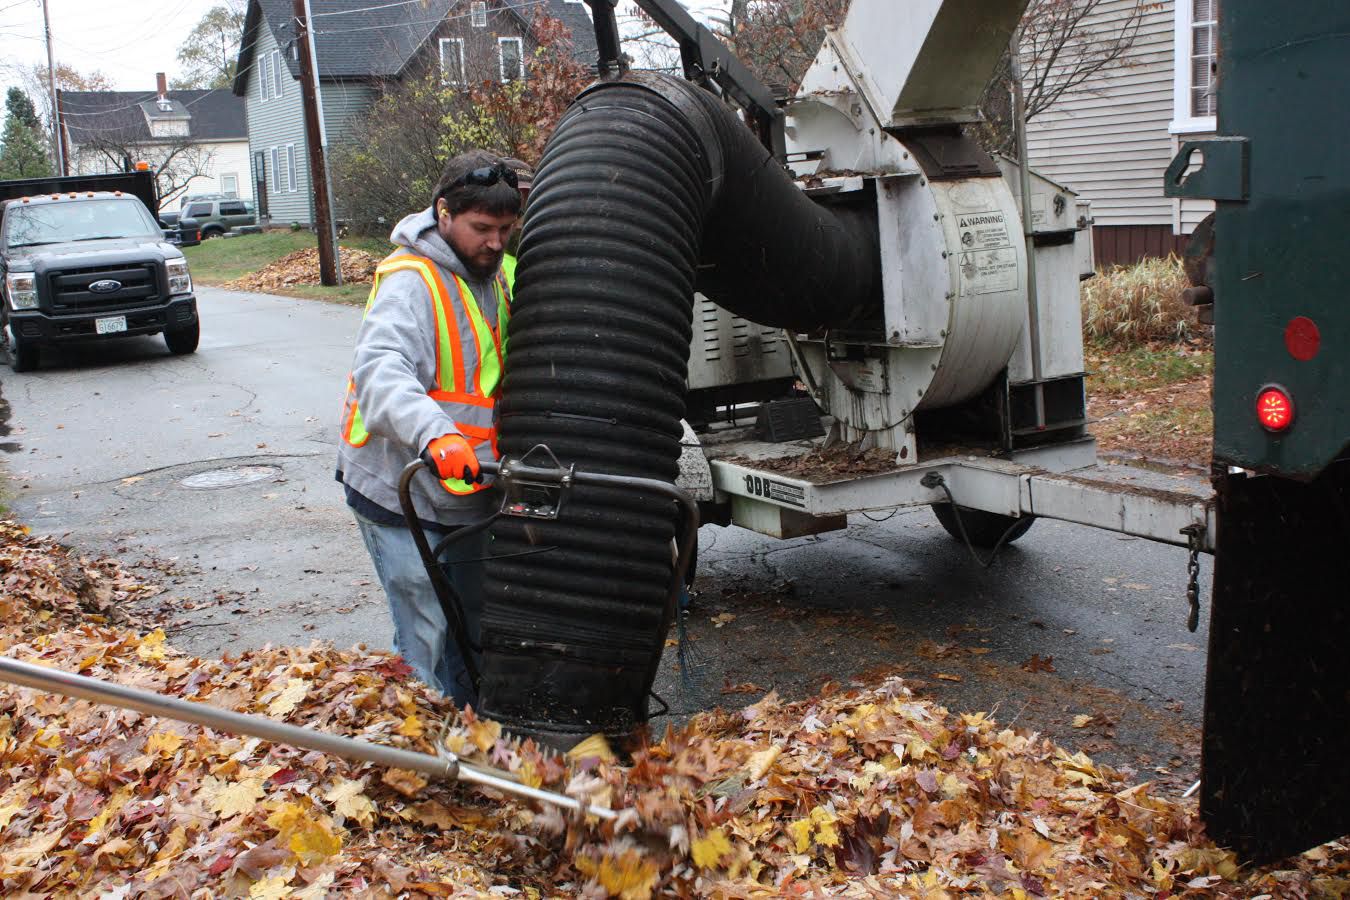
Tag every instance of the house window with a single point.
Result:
(290, 168)
(264, 77)
(452, 61)
(276, 169)
(478, 13)
(229, 185)
(511, 57)
(276, 73)
(1195, 55)
(1204, 55)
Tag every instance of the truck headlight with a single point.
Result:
(22, 290)
(180, 282)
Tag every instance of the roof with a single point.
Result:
(215, 115)
(365, 39)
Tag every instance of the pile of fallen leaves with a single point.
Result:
(864, 792)
(302, 267)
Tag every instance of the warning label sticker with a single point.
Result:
(988, 260)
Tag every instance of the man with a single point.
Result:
(429, 359)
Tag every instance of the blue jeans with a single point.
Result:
(421, 635)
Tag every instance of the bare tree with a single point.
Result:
(1063, 48)
(176, 160)
(1064, 45)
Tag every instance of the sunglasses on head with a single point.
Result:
(487, 176)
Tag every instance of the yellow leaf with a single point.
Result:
(152, 645)
(484, 734)
(111, 808)
(9, 812)
(174, 845)
(114, 847)
(801, 835)
(405, 782)
(231, 798)
(826, 834)
(759, 764)
(349, 801)
(1209, 861)
(289, 698)
(595, 745)
(1081, 721)
(270, 888)
(411, 727)
(32, 849)
(49, 740)
(165, 742)
(710, 848)
(308, 838)
(629, 877)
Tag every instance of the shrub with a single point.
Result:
(1126, 306)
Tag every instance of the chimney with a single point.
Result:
(162, 84)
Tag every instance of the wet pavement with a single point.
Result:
(214, 472)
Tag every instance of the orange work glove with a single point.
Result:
(452, 457)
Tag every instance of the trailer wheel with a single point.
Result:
(984, 529)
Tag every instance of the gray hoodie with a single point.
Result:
(394, 368)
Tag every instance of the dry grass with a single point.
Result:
(1127, 306)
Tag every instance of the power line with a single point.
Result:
(504, 6)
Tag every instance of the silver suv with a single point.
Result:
(216, 216)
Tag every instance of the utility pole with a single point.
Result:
(51, 88)
(318, 169)
(323, 142)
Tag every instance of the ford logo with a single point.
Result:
(106, 286)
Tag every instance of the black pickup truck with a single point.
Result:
(84, 258)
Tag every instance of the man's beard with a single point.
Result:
(482, 272)
(478, 271)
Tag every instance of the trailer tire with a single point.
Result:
(984, 529)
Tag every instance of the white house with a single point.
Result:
(196, 142)
(1112, 138)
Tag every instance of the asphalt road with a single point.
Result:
(123, 449)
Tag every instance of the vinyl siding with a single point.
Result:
(225, 157)
(343, 102)
(1108, 139)
(276, 122)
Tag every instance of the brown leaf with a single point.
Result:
(1039, 664)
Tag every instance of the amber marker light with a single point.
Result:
(1274, 409)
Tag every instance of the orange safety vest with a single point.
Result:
(465, 388)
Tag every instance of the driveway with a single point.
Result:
(215, 472)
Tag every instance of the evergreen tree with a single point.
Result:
(22, 154)
(19, 106)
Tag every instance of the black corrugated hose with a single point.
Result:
(646, 181)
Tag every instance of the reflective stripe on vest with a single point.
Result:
(470, 385)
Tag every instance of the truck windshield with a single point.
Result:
(77, 220)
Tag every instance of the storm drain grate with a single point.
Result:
(232, 476)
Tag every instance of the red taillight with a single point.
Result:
(1274, 409)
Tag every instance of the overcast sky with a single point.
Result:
(127, 41)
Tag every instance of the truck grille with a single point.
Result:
(70, 289)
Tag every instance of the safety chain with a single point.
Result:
(1193, 533)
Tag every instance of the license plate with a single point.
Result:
(110, 325)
